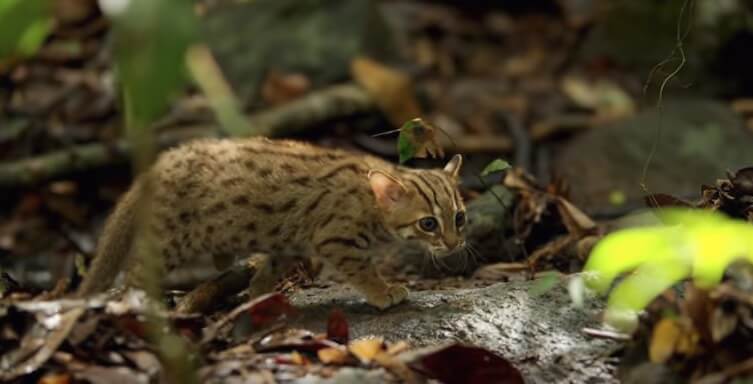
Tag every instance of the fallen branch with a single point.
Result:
(294, 117)
(209, 294)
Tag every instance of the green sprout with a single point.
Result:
(497, 165)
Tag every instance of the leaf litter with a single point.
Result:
(104, 338)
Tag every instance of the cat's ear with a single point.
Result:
(453, 166)
(387, 189)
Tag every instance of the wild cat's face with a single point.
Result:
(424, 206)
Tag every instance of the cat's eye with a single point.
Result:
(428, 224)
(459, 219)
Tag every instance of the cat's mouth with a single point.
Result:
(442, 251)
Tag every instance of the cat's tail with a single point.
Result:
(114, 246)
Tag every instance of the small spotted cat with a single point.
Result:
(234, 197)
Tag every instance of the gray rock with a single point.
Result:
(700, 141)
(541, 335)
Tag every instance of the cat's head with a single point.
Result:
(423, 205)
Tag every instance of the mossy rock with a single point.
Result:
(699, 141)
(318, 38)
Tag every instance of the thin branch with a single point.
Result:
(294, 117)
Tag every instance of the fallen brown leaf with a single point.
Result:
(603, 96)
(396, 366)
(55, 378)
(366, 349)
(391, 89)
(397, 348)
(280, 88)
(671, 337)
(499, 271)
(575, 220)
(333, 355)
(298, 359)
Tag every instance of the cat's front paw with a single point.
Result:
(395, 294)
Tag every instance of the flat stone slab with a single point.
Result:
(541, 335)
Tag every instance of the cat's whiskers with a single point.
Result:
(434, 260)
(464, 256)
(474, 252)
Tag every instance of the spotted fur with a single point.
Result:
(289, 200)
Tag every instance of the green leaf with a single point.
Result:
(24, 26)
(498, 165)
(418, 139)
(406, 149)
(694, 244)
(544, 284)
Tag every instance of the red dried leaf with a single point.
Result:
(132, 324)
(465, 364)
(268, 309)
(337, 327)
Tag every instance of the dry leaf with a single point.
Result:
(605, 97)
(525, 64)
(499, 271)
(337, 327)
(574, 219)
(418, 139)
(671, 337)
(298, 359)
(742, 106)
(664, 340)
(397, 367)
(280, 88)
(55, 378)
(397, 348)
(333, 355)
(366, 349)
(391, 90)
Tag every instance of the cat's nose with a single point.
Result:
(451, 242)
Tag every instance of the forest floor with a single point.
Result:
(561, 91)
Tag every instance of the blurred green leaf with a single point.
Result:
(24, 26)
(544, 283)
(693, 244)
(150, 42)
(498, 165)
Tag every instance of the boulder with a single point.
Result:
(699, 141)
